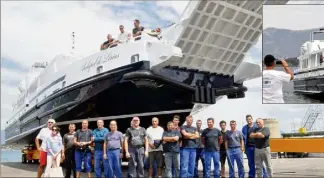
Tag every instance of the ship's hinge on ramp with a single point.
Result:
(207, 95)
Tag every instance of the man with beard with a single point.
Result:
(68, 142)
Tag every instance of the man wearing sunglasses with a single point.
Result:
(43, 135)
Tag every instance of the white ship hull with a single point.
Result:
(197, 61)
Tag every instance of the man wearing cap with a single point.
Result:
(273, 80)
(43, 135)
(137, 31)
(123, 37)
(136, 145)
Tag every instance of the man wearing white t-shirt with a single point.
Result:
(43, 135)
(155, 150)
(123, 37)
(273, 80)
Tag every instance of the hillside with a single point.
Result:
(286, 43)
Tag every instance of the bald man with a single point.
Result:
(155, 133)
(113, 149)
(262, 152)
(82, 141)
(98, 138)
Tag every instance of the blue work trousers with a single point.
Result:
(187, 162)
(81, 156)
(250, 155)
(199, 155)
(98, 159)
(208, 156)
(235, 154)
(114, 163)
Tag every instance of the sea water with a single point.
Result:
(10, 156)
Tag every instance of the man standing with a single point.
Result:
(136, 144)
(171, 149)
(222, 149)
(68, 142)
(176, 120)
(99, 139)
(249, 145)
(189, 146)
(235, 146)
(123, 37)
(137, 31)
(113, 150)
(82, 140)
(262, 153)
(211, 137)
(199, 152)
(155, 133)
(273, 80)
(43, 135)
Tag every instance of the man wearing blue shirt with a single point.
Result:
(235, 147)
(189, 146)
(250, 146)
(99, 139)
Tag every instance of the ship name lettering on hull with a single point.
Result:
(98, 61)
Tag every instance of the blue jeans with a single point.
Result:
(82, 156)
(250, 155)
(199, 155)
(208, 156)
(237, 155)
(114, 162)
(187, 162)
(172, 160)
(98, 158)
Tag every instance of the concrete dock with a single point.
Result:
(285, 167)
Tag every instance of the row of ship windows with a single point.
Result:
(99, 70)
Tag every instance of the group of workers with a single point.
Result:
(179, 148)
(125, 36)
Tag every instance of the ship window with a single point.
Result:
(99, 69)
(63, 84)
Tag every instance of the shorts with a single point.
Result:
(156, 156)
(222, 157)
(43, 158)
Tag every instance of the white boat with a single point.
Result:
(197, 60)
(309, 78)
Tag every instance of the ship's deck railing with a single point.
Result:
(133, 39)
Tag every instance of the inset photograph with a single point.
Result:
(293, 50)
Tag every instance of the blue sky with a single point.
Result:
(38, 31)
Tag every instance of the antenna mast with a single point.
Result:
(73, 43)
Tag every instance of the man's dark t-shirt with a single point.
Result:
(189, 143)
(136, 136)
(222, 145)
(135, 30)
(210, 137)
(250, 141)
(262, 142)
(199, 144)
(68, 141)
(83, 136)
(173, 147)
